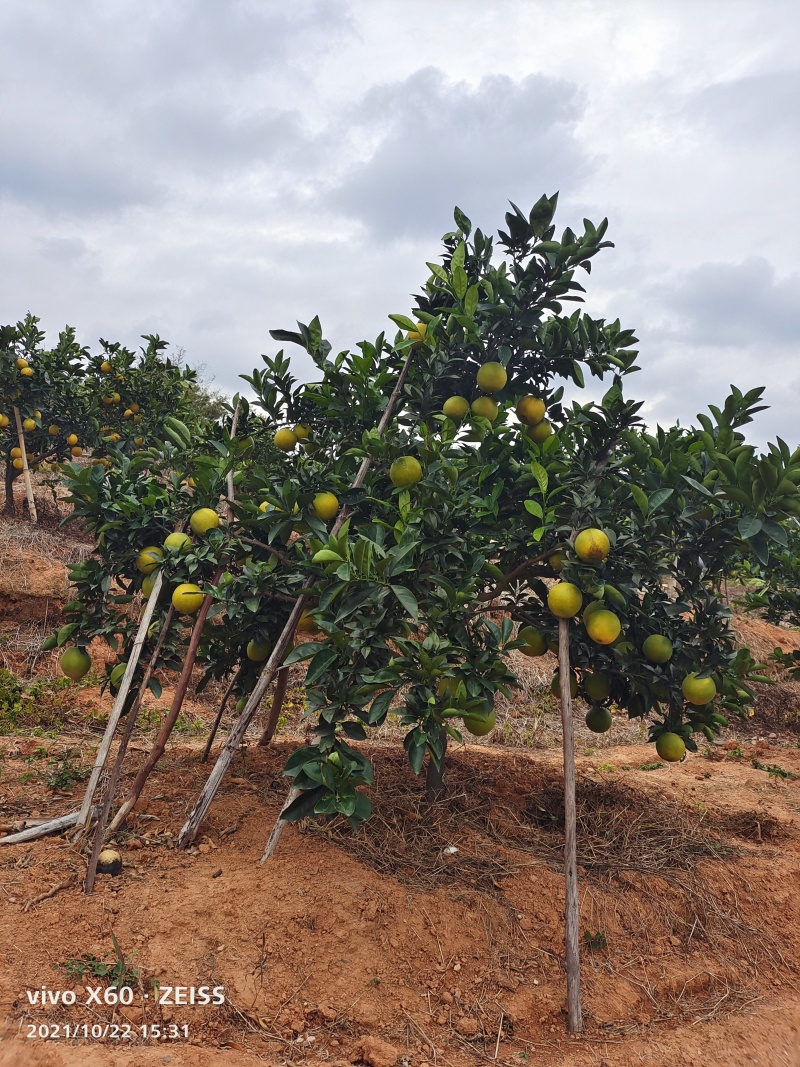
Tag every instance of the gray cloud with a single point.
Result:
(758, 108)
(439, 143)
(724, 305)
(102, 110)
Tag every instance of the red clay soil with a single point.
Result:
(433, 936)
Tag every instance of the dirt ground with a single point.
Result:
(435, 935)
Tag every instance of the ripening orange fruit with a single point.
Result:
(565, 600)
(592, 545)
(530, 410)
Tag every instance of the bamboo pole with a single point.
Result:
(275, 661)
(111, 785)
(122, 695)
(160, 743)
(25, 469)
(571, 907)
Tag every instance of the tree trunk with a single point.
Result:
(281, 684)
(434, 776)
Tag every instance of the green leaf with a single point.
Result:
(459, 256)
(304, 651)
(439, 272)
(775, 532)
(65, 633)
(540, 474)
(658, 498)
(640, 497)
(533, 507)
(303, 805)
(460, 282)
(404, 322)
(319, 664)
(749, 526)
(407, 599)
(155, 687)
(760, 547)
(471, 301)
(327, 555)
(699, 487)
(461, 220)
(380, 706)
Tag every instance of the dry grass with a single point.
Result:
(19, 538)
(619, 829)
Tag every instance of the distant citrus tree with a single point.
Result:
(73, 404)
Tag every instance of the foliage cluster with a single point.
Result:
(417, 596)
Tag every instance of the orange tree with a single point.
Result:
(73, 403)
(491, 508)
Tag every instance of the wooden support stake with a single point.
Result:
(52, 826)
(218, 719)
(271, 668)
(25, 469)
(571, 910)
(122, 696)
(192, 825)
(281, 684)
(231, 491)
(111, 785)
(279, 826)
(160, 743)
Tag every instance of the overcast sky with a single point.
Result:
(211, 170)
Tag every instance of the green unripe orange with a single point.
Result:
(540, 432)
(530, 410)
(555, 684)
(657, 648)
(698, 690)
(598, 720)
(480, 725)
(285, 439)
(116, 676)
(75, 663)
(456, 407)
(405, 471)
(326, 506)
(535, 642)
(597, 686)
(492, 377)
(181, 541)
(486, 407)
(671, 747)
(258, 651)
